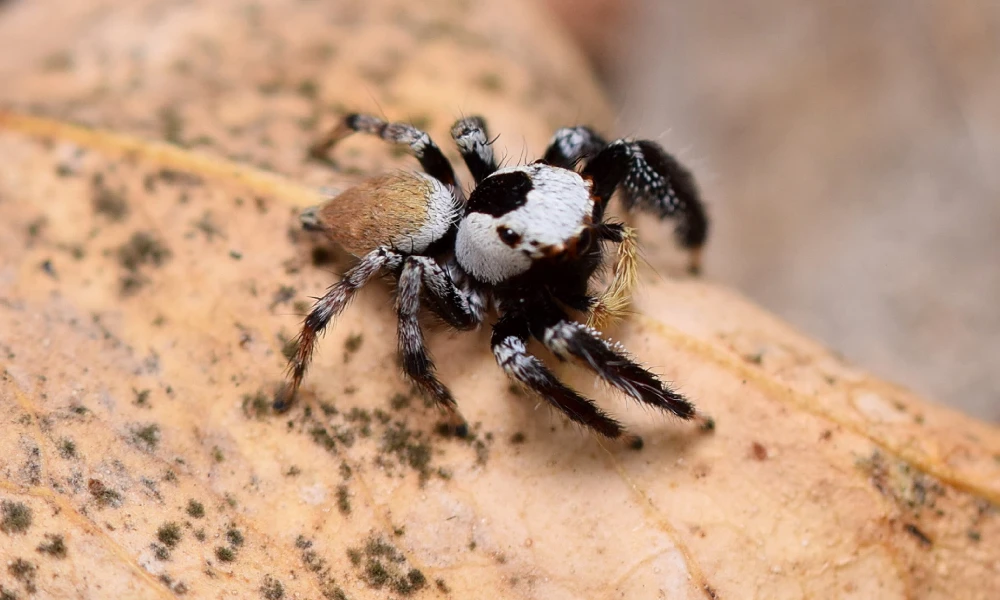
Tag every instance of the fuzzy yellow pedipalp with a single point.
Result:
(614, 301)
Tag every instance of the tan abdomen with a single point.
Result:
(395, 210)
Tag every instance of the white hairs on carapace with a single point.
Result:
(557, 209)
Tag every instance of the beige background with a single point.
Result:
(847, 151)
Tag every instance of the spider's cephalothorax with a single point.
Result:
(526, 243)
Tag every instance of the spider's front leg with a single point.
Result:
(333, 302)
(571, 145)
(475, 145)
(509, 343)
(461, 308)
(652, 180)
(420, 144)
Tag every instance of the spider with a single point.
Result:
(526, 243)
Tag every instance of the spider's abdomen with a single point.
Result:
(404, 211)
(519, 215)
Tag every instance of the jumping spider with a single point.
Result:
(526, 242)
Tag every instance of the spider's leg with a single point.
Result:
(612, 303)
(652, 180)
(474, 143)
(510, 335)
(417, 363)
(461, 307)
(569, 339)
(326, 308)
(570, 145)
(421, 145)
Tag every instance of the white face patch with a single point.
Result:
(555, 211)
(443, 210)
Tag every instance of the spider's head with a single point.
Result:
(403, 211)
(520, 215)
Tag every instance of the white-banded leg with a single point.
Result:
(611, 362)
(333, 302)
(652, 180)
(510, 336)
(475, 145)
(421, 273)
(571, 145)
(420, 144)
(460, 306)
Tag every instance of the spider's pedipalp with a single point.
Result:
(510, 335)
(613, 302)
(420, 144)
(569, 339)
(655, 181)
(474, 144)
(333, 302)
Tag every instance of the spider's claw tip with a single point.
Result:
(634, 442)
(705, 423)
(283, 398)
(458, 429)
(694, 263)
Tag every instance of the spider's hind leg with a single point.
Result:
(420, 144)
(333, 302)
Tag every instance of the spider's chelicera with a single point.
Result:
(526, 243)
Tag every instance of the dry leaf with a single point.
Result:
(147, 290)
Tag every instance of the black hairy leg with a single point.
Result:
(475, 145)
(509, 339)
(417, 363)
(420, 144)
(462, 308)
(652, 180)
(571, 145)
(568, 339)
(336, 299)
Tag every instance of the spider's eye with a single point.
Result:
(508, 236)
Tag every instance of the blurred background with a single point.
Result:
(850, 155)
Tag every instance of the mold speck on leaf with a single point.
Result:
(195, 509)
(169, 534)
(54, 546)
(15, 517)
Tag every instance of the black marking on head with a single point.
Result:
(508, 236)
(499, 194)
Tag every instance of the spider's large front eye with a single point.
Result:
(508, 236)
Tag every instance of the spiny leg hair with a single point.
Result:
(336, 299)
(569, 339)
(652, 180)
(417, 363)
(421, 145)
(475, 146)
(510, 335)
(570, 145)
